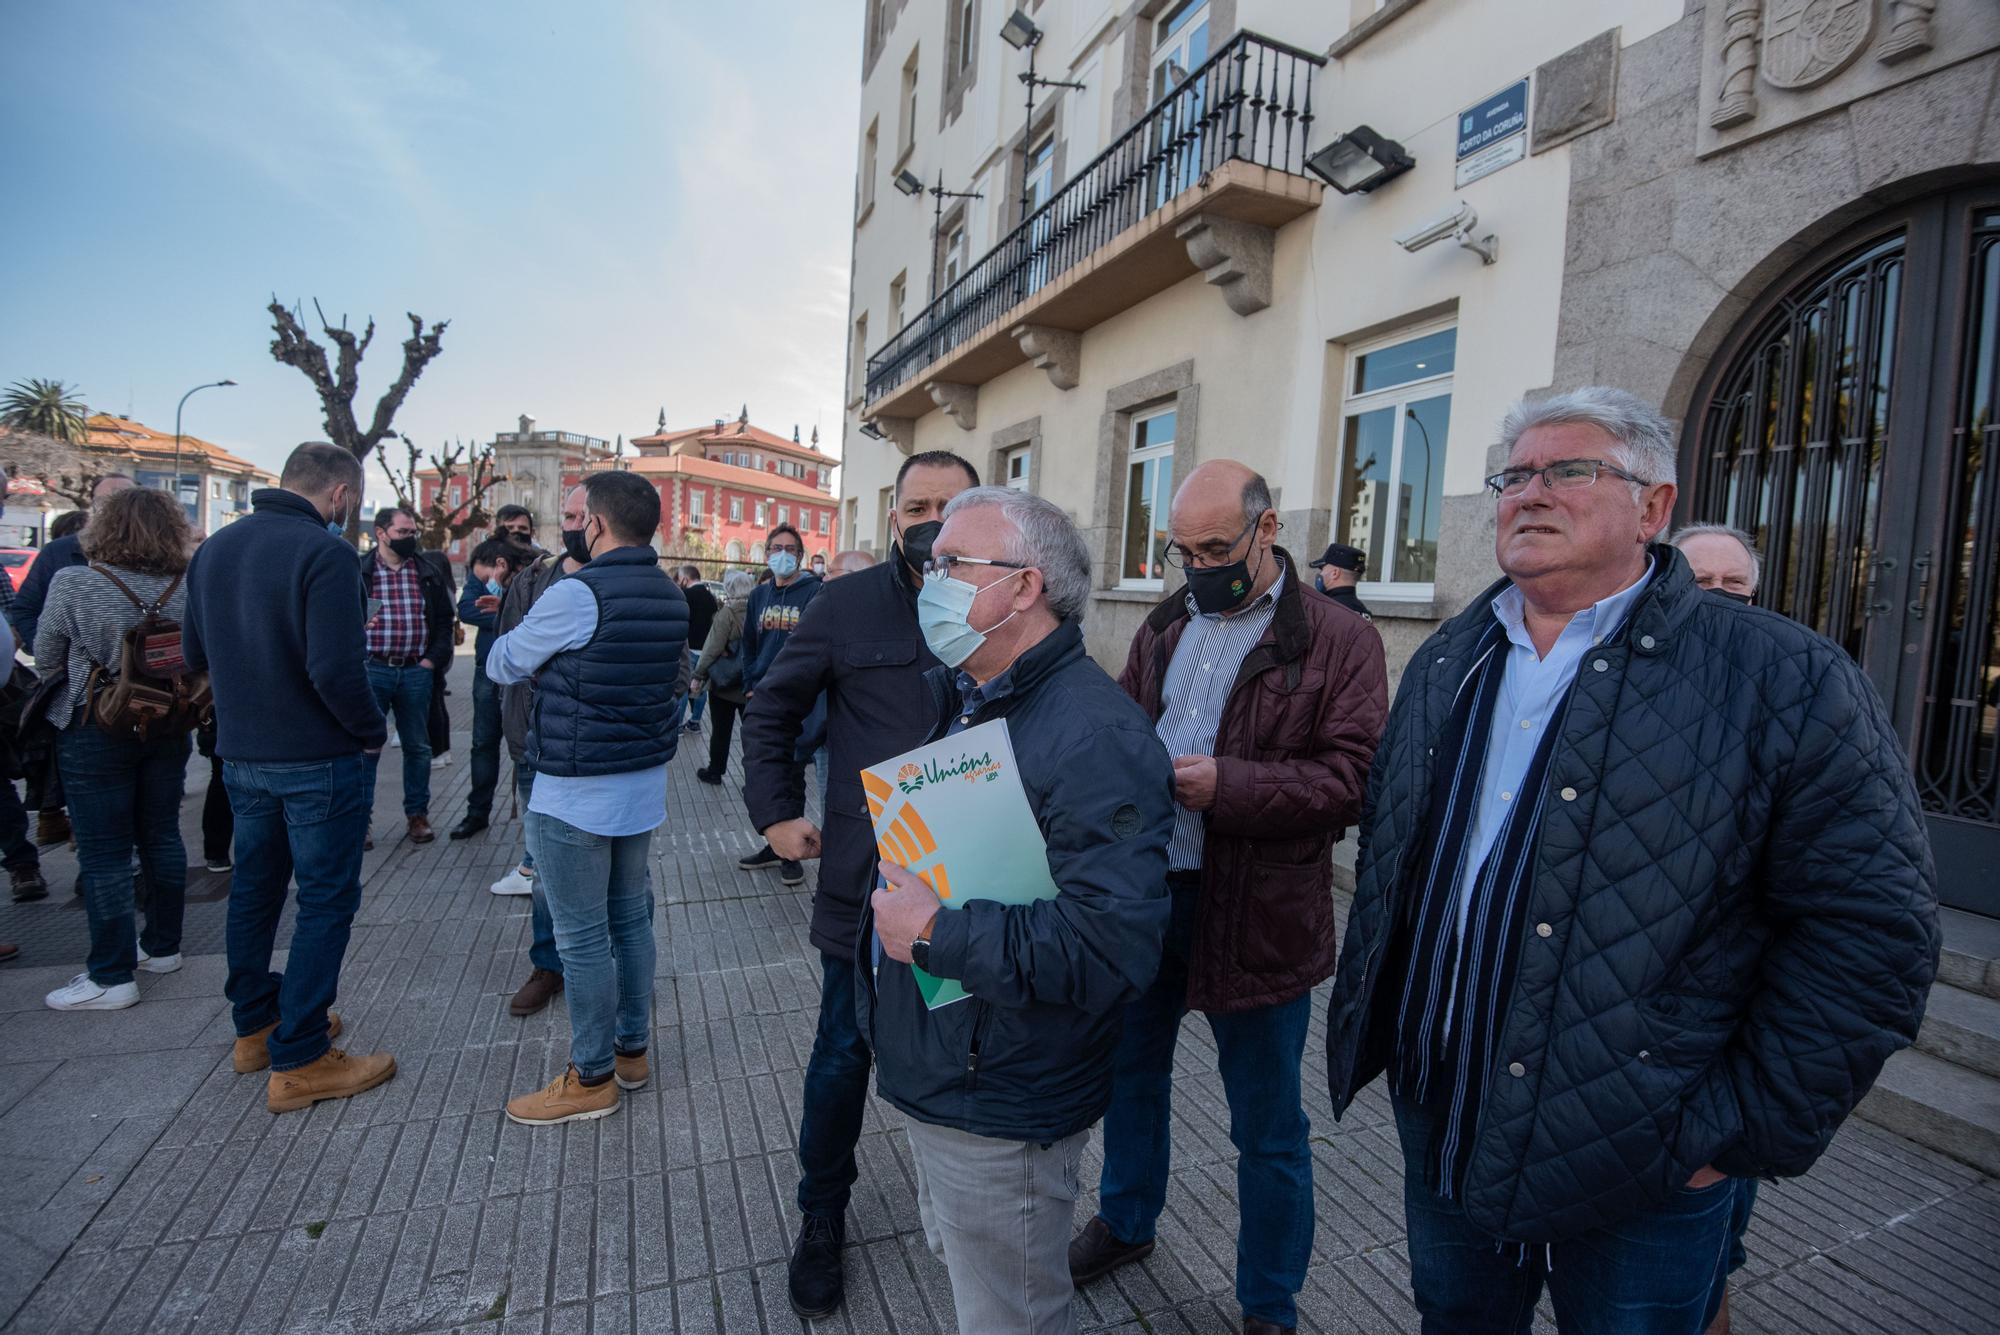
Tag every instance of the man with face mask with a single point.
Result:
(768, 623)
(1723, 559)
(511, 548)
(1270, 701)
(409, 635)
(859, 648)
(1340, 570)
(1001, 1090)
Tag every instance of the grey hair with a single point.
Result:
(1645, 438)
(738, 584)
(1043, 538)
(1743, 540)
(1256, 498)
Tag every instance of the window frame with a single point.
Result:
(1135, 456)
(697, 504)
(735, 509)
(1398, 398)
(1025, 454)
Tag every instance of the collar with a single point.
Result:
(635, 554)
(1265, 599)
(973, 697)
(276, 500)
(1656, 605)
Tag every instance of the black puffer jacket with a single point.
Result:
(1732, 921)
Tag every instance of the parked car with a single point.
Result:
(15, 561)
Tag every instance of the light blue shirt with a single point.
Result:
(562, 619)
(1531, 690)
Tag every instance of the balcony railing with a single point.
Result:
(1249, 102)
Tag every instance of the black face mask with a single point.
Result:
(403, 547)
(1218, 589)
(1733, 596)
(574, 545)
(916, 543)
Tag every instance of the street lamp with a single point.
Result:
(1423, 510)
(213, 384)
(1021, 33)
(940, 195)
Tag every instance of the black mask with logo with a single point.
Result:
(1220, 589)
(404, 547)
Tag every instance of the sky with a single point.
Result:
(619, 205)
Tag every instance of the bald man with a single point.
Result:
(1269, 698)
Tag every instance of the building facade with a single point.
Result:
(214, 485)
(1780, 220)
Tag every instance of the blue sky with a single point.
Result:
(618, 206)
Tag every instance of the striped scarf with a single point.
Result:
(1456, 985)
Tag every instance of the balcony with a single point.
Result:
(1199, 184)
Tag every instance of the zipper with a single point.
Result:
(972, 1052)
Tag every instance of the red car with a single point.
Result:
(15, 561)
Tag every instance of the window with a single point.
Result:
(735, 509)
(1149, 489)
(885, 504)
(870, 151)
(697, 503)
(735, 550)
(898, 286)
(763, 515)
(784, 514)
(847, 525)
(967, 21)
(1017, 462)
(906, 128)
(860, 359)
(215, 490)
(1391, 477)
(825, 520)
(954, 254)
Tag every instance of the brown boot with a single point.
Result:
(1097, 1251)
(52, 827)
(566, 1099)
(334, 1076)
(630, 1071)
(420, 830)
(537, 992)
(253, 1051)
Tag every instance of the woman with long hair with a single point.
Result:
(720, 673)
(123, 792)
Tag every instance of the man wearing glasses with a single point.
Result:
(1644, 901)
(1269, 700)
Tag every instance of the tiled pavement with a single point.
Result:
(149, 1190)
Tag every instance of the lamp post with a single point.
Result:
(1021, 33)
(940, 195)
(213, 384)
(1423, 510)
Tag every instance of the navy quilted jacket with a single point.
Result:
(1732, 922)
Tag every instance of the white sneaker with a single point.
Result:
(80, 994)
(515, 882)
(440, 760)
(159, 963)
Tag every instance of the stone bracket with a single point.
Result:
(1056, 351)
(1233, 256)
(958, 402)
(901, 430)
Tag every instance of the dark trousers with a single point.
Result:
(1659, 1272)
(439, 727)
(723, 711)
(17, 843)
(218, 822)
(1259, 1052)
(836, 1094)
(485, 746)
(125, 795)
(304, 820)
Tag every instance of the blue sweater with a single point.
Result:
(468, 612)
(769, 621)
(274, 613)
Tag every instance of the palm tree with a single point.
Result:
(46, 408)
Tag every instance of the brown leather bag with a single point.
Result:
(152, 693)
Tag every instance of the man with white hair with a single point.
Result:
(1724, 560)
(1001, 1090)
(1643, 903)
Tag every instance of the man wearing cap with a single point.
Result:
(1339, 571)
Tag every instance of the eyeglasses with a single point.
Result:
(775, 548)
(1562, 475)
(941, 566)
(1180, 558)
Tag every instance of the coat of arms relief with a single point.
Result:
(1799, 44)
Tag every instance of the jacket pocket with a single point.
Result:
(880, 653)
(1285, 714)
(1287, 915)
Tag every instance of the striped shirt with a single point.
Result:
(399, 632)
(84, 622)
(1203, 669)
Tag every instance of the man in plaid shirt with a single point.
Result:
(409, 634)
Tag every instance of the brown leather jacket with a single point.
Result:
(1292, 756)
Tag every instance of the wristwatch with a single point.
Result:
(920, 954)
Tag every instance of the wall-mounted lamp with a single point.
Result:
(870, 430)
(909, 182)
(1020, 31)
(1360, 161)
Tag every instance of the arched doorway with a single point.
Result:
(1852, 425)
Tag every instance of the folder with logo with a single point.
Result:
(954, 814)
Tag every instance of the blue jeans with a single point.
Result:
(1739, 1220)
(696, 703)
(836, 1095)
(303, 820)
(17, 849)
(124, 795)
(485, 745)
(542, 951)
(407, 692)
(601, 899)
(1658, 1272)
(1259, 1052)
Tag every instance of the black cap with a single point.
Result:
(1342, 557)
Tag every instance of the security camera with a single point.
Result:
(1457, 224)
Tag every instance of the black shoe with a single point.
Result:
(28, 884)
(692, 726)
(1257, 1325)
(791, 873)
(762, 860)
(706, 777)
(468, 827)
(816, 1282)
(1097, 1251)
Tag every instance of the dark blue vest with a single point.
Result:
(608, 708)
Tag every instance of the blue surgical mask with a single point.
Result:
(495, 587)
(944, 607)
(783, 564)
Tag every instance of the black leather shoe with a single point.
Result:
(815, 1280)
(1097, 1251)
(707, 776)
(468, 827)
(1258, 1326)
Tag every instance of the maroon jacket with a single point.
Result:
(1291, 761)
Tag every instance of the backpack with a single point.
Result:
(152, 693)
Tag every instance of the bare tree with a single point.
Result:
(443, 521)
(65, 470)
(338, 383)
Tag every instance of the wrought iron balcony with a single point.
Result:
(1229, 141)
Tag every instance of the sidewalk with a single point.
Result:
(150, 1190)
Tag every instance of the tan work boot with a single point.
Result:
(253, 1051)
(567, 1099)
(334, 1076)
(631, 1072)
